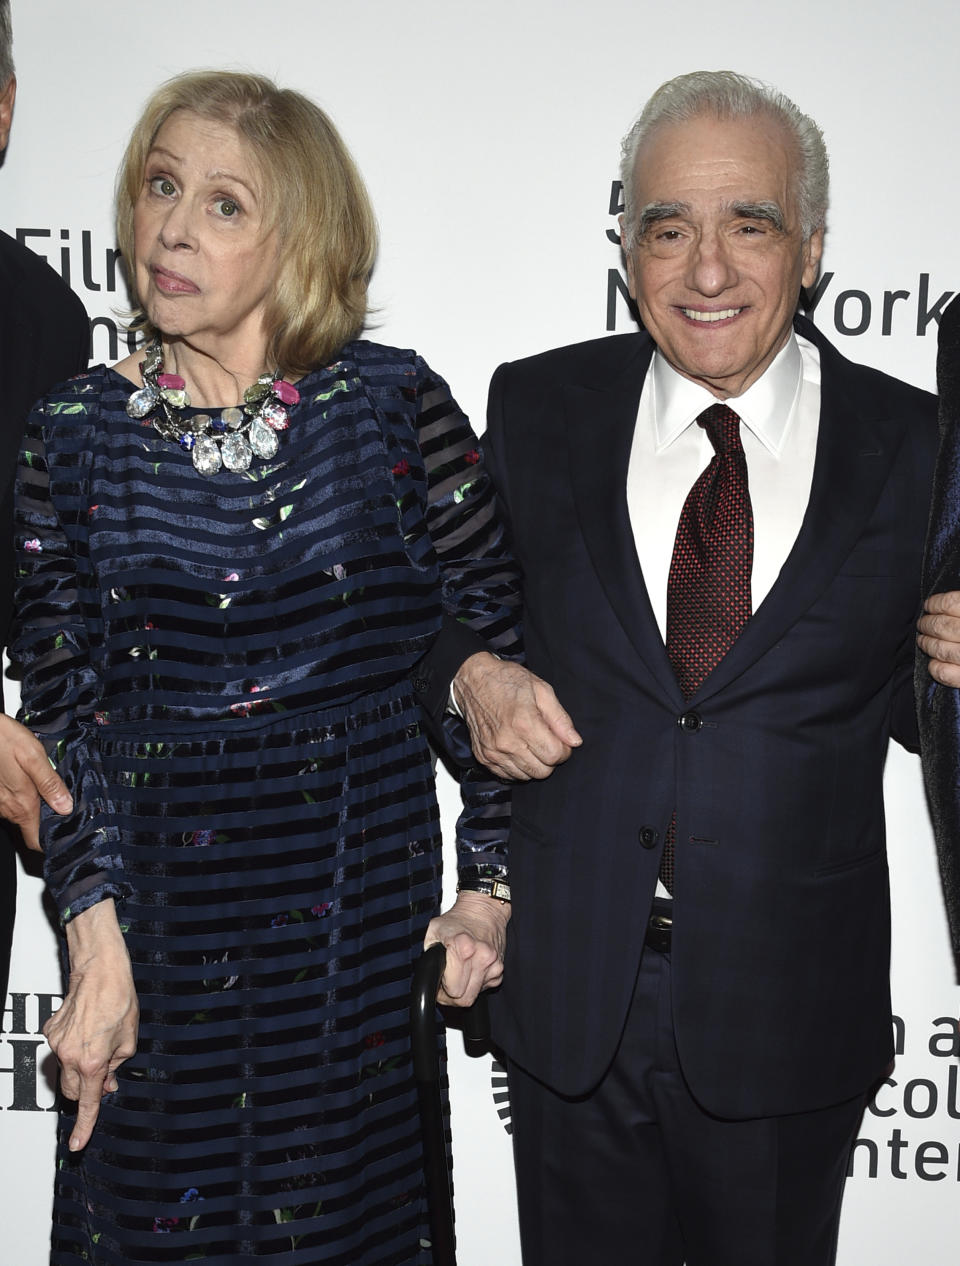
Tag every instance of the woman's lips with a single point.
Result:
(172, 283)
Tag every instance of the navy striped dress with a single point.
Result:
(220, 668)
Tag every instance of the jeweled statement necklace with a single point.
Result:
(234, 437)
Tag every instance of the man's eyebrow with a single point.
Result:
(654, 212)
(768, 211)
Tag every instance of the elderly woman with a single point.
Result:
(234, 547)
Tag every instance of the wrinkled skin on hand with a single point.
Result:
(939, 637)
(95, 1029)
(25, 777)
(518, 728)
(473, 932)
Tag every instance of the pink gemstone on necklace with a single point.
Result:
(174, 381)
(286, 391)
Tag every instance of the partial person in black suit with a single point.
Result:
(688, 1071)
(938, 661)
(44, 338)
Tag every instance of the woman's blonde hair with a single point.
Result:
(313, 198)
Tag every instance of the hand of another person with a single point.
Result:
(95, 1029)
(517, 727)
(25, 776)
(473, 932)
(940, 636)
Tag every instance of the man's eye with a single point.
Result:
(669, 235)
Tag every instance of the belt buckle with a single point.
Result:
(659, 928)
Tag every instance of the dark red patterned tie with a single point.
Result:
(708, 589)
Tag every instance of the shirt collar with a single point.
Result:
(766, 407)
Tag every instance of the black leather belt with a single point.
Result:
(659, 927)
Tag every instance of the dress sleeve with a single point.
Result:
(57, 619)
(480, 595)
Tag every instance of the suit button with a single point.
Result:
(649, 836)
(690, 721)
(419, 684)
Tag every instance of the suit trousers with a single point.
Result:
(637, 1173)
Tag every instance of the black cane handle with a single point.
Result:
(427, 975)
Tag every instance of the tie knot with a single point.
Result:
(723, 427)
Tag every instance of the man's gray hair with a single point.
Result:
(726, 95)
(6, 44)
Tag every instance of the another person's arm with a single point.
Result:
(517, 727)
(480, 596)
(57, 615)
(26, 778)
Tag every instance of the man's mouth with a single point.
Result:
(724, 314)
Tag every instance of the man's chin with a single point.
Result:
(720, 375)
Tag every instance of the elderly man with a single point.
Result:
(44, 335)
(938, 675)
(696, 997)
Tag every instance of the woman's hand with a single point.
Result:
(473, 932)
(96, 1028)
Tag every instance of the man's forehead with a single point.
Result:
(716, 150)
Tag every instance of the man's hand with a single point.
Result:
(940, 636)
(25, 776)
(473, 932)
(95, 1029)
(517, 726)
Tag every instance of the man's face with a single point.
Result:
(7, 96)
(718, 260)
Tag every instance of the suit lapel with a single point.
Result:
(601, 416)
(855, 450)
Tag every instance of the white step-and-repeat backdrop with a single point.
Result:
(489, 136)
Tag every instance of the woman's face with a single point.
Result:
(205, 261)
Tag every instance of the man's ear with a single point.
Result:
(7, 98)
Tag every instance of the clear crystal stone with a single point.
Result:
(201, 422)
(236, 452)
(263, 440)
(141, 402)
(206, 456)
(232, 417)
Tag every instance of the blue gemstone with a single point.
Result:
(187, 441)
(218, 425)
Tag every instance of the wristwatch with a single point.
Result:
(499, 889)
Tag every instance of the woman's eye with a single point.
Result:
(164, 186)
(227, 206)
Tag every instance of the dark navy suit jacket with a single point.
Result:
(940, 705)
(774, 767)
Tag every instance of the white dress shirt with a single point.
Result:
(780, 419)
(779, 423)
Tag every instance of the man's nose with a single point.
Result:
(712, 269)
